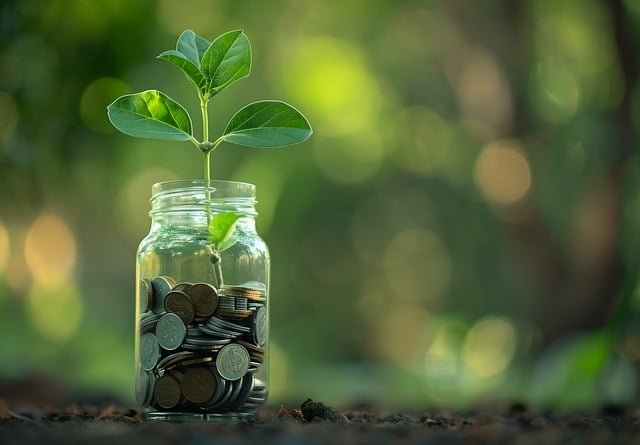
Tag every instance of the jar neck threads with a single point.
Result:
(185, 202)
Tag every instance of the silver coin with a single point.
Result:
(254, 367)
(149, 351)
(232, 362)
(142, 385)
(174, 358)
(145, 294)
(207, 341)
(260, 331)
(216, 323)
(221, 389)
(233, 394)
(201, 348)
(242, 303)
(148, 321)
(226, 396)
(170, 331)
(246, 385)
(193, 331)
(218, 333)
(161, 287)
(227, 302)
(151, 382)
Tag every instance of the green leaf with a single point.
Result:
(268, 123)
(192, 46)
(192, 72)
(150, 114)
(221, 227)
(227, 59)
(227, 243)
(189, 50)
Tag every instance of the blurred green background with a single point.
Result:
(461, 227)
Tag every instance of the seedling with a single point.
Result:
(210, 67)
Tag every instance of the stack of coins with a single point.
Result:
(200, 348)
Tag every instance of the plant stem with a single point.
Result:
(207, 169)
(205, 138)
(217, 266)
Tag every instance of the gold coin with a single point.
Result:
(180, 304)
(251, 346)
(198, 384)
(167, 392)
(234, 313)
(204, 298)
(195, 361)
(247, 292)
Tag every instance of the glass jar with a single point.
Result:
(201, 309)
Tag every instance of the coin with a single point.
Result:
(167, 392)
(183, 287)
(179, 303)
(205, 299)
(234, 313)
(142, 384)
(198, 384)
(221, 389)
(170, 331)
(172, 360)
(247, 292)
(145, 293)
(149, 351)
(232, 362)
(205, 340)
(224, 325)
(255, 285)
(161, 287)
(245, 389)
(227, 302)
(226, 395)
(260, 326)
(148, 321)
(242, 303)
(196, 361)
(216, 333)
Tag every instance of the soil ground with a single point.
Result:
(316, 423)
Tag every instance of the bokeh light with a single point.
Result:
(339, 92)
(502, 172)
(555, 91)
(55, 309)
(402, 334)
(489, 347)
(483, 92)
(442, 365)
(5, 249)
(95, 99)
(50, 250)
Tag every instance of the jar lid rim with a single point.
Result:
(200, 184)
